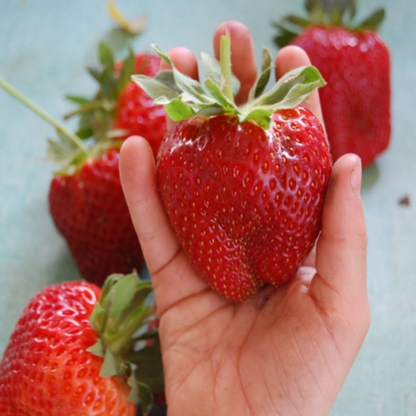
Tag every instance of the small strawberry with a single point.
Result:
(87, 204)
(73, 352)
(355, 62)
(243, 186)
(88, 208)
(120, 108)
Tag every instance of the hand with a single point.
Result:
(288, 350)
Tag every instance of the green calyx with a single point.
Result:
(183, 97)
(121, 318)
(68, 150)
(96, 114)
(328, 13)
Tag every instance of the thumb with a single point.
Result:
(341, 253)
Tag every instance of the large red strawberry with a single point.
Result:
(355, 63)
(120, 108)
(73, 352)
(243, 187)
(87, 204)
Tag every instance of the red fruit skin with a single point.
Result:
(136, 112)
(90, 211)
(46, 369)
(245, 203)
(356, 100)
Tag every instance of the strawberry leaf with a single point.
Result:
(105, 55)
(126, 71)
(227, 105)
(97, 349)
(162, 55)
(262, 81)
(285, 35)
(177, 110)
(183, 97)
(212, 70)
(294, 87)
(77, 99)
(373, 22)
(156, 88)
(145, 395)
(166, 77)
(261, 116)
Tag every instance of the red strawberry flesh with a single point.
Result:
(46, 369)
(89, 210)
(245, 202)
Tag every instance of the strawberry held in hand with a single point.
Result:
(244, 186)
(355, 62)
(72, 352)
(120, 108)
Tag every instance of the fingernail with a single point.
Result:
(356, 176)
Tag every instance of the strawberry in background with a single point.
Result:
(87, 203)
(355, 63)
(73, 352)
(120, 108)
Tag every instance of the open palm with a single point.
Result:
(286, 351)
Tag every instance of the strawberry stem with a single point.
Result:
(225, 62)
(49, 119)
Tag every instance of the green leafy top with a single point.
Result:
(329, 13)
(96, 114)
(70, 150)
(121, 318)
(183, 97)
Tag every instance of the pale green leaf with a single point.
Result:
(177, 110)
(162, 54)
(97, 349)
(219, 95)
(212, 70)
(166, 77)
(154, 88)
(264, 78)
(261, 116)
(308, 76)
(110, 367)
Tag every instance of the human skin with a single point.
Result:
(286, 351)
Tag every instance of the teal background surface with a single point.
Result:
(44, 48)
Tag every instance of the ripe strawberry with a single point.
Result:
(243, 187)
(72, 352)
(120, 108)
(87, 204)
(355, 62)
(88, 208)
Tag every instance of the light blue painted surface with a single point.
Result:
(44, 47)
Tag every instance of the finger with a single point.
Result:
(138, 178)
(291, 57)
(172, 274)
(184, 61)
(341, 251)
(242, 55)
